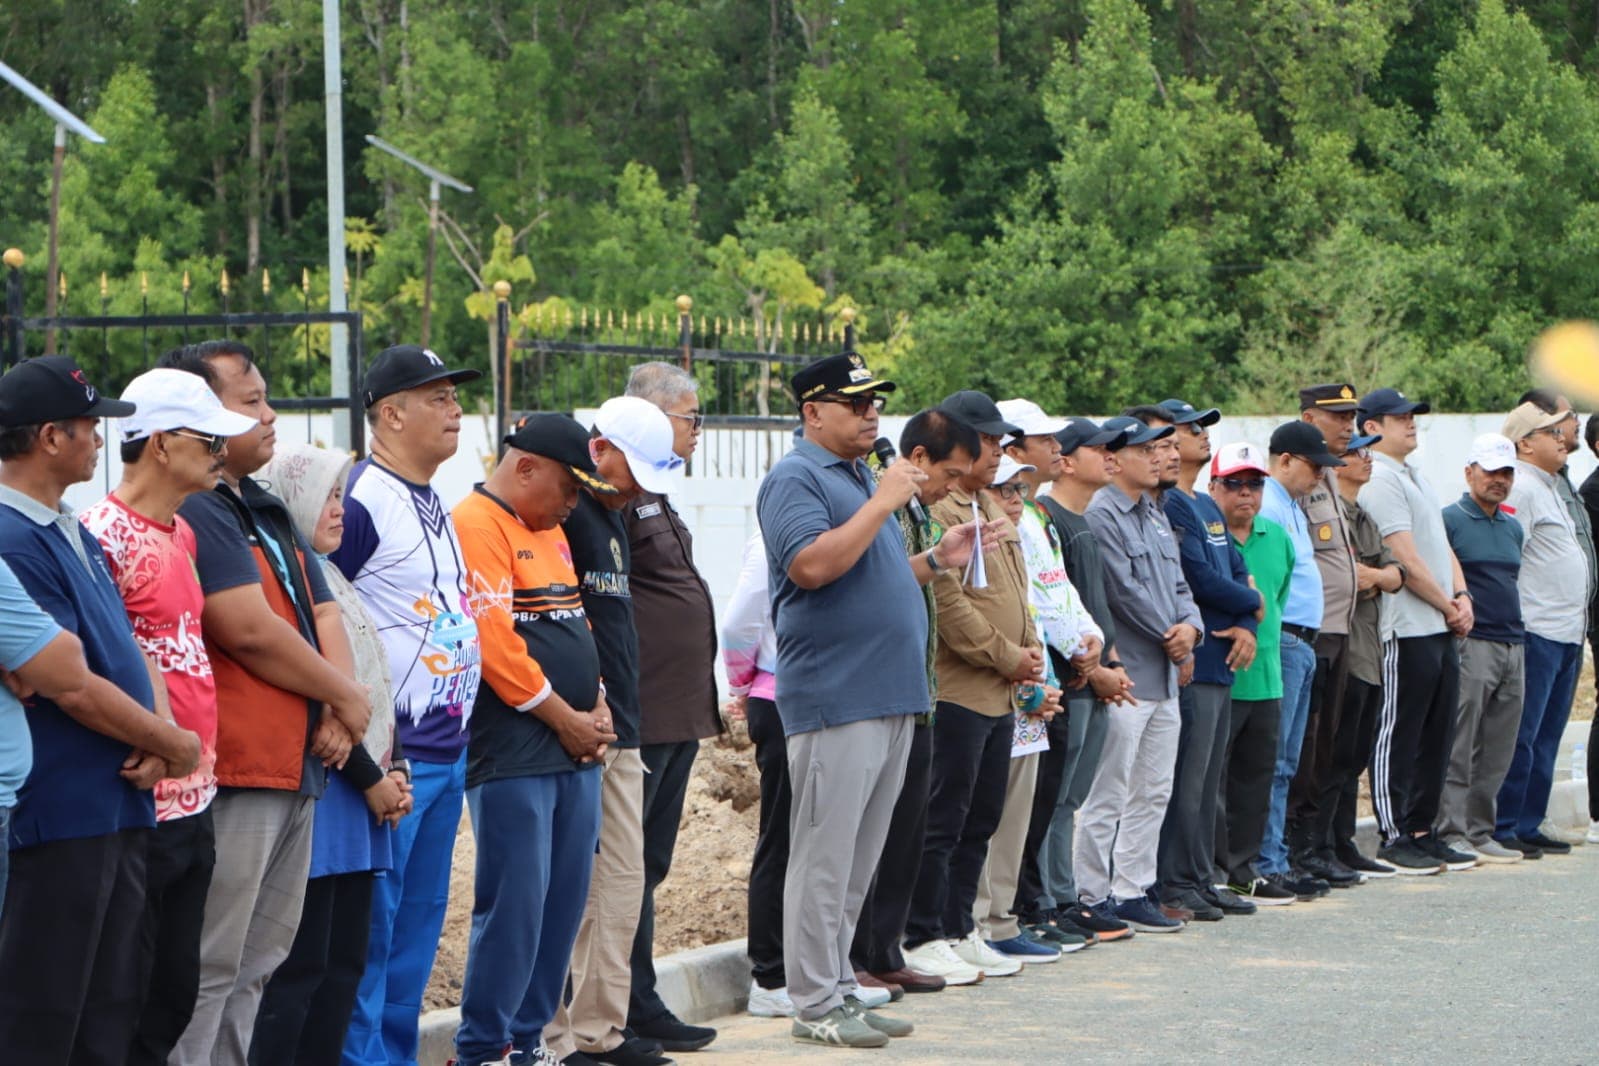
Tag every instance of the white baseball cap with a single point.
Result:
(1009, 468)
(643, 434)
(1233, 458)
(1491, 451)
(1030, 417)
(176, 399)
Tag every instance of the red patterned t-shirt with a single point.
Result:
(153, 566)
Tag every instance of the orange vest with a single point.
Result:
(261, 729)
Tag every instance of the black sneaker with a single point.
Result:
(1263, 891)
(1352, 858)
(1055, 924)
(1304, 888)
(1097, 920)
(674, 1034)
(634, 1052)
(1528, 850)
(1547, 844)
(1454, 860)
(1227, 901)
(1331, 871)
(1406, 858)
(1202, 908)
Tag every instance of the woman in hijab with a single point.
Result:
(307, 1004)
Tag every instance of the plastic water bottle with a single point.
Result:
(1579, 762)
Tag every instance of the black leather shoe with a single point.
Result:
(674, 1034)
(1546, 844)
(634, 1052)
(1333, 872)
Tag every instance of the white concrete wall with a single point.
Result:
(718, 501)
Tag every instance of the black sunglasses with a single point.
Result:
(1241, 484)
(214, 443)
(858, 404)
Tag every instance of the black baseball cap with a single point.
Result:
(978, 410)
(408, 366)
(1182, 413)
(1304, 440)
(562, 438)
(1334, 396)
(1081, 432)
(1136, 431)
(1381, 402)
(845, 374)
(50, 388)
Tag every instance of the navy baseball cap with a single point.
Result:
(1183, 412)
(408, 366)
(1137, 432)
(1362, 441)
(845, 374)
(1381, 402)
(1081, 432)
(51, 388)
(978, 410)
(563, 439)
(1304, 440)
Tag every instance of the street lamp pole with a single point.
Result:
(435, 178)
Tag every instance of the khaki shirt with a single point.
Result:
(982, 633)
(1335, 558)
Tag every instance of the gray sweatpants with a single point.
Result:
(845, 781)
(1492, 676)
(251, 915)
(1118, 828)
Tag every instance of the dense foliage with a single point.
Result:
(1086, 201)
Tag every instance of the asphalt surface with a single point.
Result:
(1495, 964)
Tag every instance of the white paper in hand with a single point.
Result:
(976, 577)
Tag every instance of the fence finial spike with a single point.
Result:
(224, 281)
(266, 282)
(305, 280)
(144, 283)
(61, 283)
(14, 258)
(685, 303)
(185, 281)
(105, 286)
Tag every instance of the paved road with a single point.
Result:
(1496, 964)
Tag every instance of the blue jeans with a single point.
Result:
(1299, 668)
(1551, 682)
(535, 851)
(408, 904)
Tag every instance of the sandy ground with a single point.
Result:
(703, 900)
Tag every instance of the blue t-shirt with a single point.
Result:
(855, 648)
(1305, 603)
(75, 788)
(1216, 576)
(26, 631)
(1489, 550)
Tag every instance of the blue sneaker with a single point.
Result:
(1025, 948)
(1144, 915)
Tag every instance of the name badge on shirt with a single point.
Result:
(649, 510)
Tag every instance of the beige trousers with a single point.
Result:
(996, 888)
(601, 973)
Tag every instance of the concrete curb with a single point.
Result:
(713, 981)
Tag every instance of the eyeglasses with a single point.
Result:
(1241, 484)
(696, 418)
(1317, 467)
(858, 404)
(1011, 490)
(1196, 429)
(1361, 453)
(1557, 432)
(213, 443)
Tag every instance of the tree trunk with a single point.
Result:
(254, 178)
(219, 168)
(280, 145)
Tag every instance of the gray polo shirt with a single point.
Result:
(1400, 500)
(855, 648)
(1554, 568)
(1145, 584)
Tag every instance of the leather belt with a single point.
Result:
(1304, 633)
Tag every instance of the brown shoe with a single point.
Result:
(910, 980)
(895, 992)
(1177, 913)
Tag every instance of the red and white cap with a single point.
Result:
(1233, 458)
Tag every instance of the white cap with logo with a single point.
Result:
(1008, 469)
(643, 434)
(1030, 417)
(1491, 451)
(170, 399)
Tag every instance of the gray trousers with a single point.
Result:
(1118, 828)
(845, 781)
(263, 848)
(1188, 837)
(1492, 676)
(1085, 739)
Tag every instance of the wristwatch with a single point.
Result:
(402, 765)
(932, 561)
(1463, 592)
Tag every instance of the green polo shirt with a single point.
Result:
(1269, 555)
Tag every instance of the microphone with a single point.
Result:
(886, 455)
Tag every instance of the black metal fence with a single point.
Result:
(114, 348)
(579, 357)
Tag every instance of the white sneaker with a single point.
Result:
(770, 1002)
(871, 998)
(1491, 850)
(971, 950)
(937, 959)
(1593, 833)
